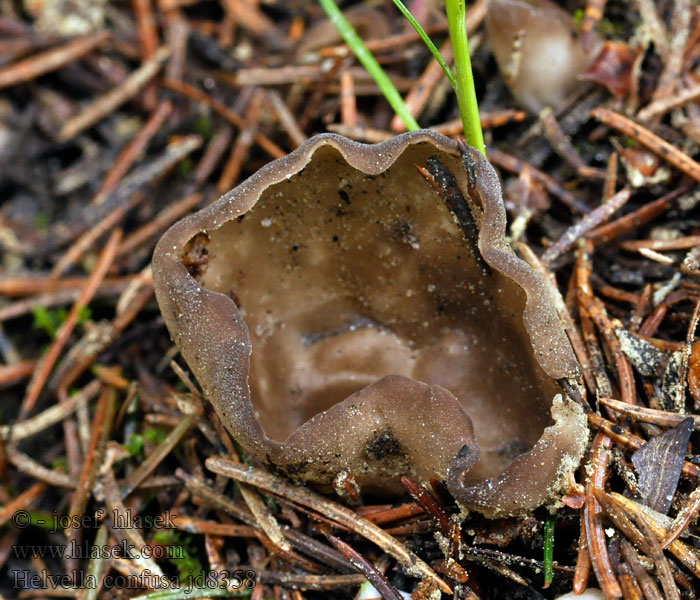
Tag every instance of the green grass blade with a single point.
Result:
(369, 63)
(548, 550)
(428, 42)
(466, 94)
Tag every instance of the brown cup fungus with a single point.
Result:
(538, 51)
(340, 321)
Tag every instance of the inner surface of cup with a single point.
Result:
(343, 277)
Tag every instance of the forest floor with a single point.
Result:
(119, 118)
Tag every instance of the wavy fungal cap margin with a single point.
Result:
(332, 312)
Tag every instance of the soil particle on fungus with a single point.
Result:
(382, 445)
(196, 256)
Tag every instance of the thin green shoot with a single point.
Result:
(548, 550)
(369, 63)
(466, 92)
(428, 42)
(462, 82)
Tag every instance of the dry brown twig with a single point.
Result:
(338, 513)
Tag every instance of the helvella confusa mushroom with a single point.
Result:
(538, 51)
(337, 313)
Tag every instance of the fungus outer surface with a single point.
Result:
(334, 314)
